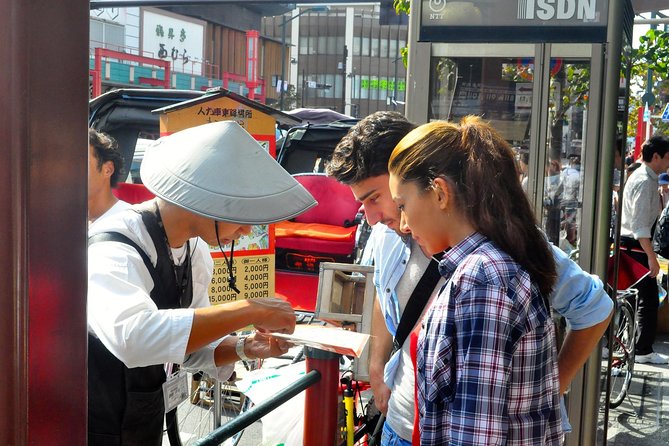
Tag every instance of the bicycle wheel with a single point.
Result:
(196, 420)
(622, 360)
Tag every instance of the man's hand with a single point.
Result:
(260, 345)
(273, 315)
(382, 344)
(653, 266)
(381, 395)
(379, 388)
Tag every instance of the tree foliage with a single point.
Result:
(649, 65)
(402, 6)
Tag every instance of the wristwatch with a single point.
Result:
(239, 348)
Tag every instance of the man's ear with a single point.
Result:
(108, 168)
(442, 190)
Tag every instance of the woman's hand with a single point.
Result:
(260, 345)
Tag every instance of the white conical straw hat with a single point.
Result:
(219, 171)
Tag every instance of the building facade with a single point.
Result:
(197, 46)
(346, 58)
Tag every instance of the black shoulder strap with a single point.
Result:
(118, 237)
(419, 297)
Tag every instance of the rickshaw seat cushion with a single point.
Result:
(336, 204)
(132, 193)
(315, 237)
(304, 244)
(315, 230)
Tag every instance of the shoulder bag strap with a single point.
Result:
(419, 297)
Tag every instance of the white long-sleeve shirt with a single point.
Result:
(641, 203)
(121, 312)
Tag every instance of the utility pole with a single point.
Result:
(343, 83)
(304, 87)
(283, 60)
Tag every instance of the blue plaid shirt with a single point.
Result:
(487, 360)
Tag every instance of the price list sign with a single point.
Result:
(254, 274)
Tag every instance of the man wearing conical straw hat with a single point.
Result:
(149, 269)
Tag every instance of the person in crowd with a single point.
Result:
(571, 178)
(639, 215)
(663, 182)
(553, 197)
(360, 160)
(149, 271)
(105, 169)
(524, 165)
(617, 181)
(486, 356)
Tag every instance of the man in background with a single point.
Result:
(641, 204)
(105, 168)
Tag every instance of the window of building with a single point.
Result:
(357, 45)
(392, 48)
(340, 42)
(383, 89)
(107, 35)
(331, 45)
(364, 87)
(355, 87)
(338, 82)
(374, 88)
(365, 46)
(329, 80)
(322, 45)
(384, 48)
(375, 47)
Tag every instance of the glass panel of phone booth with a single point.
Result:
(566, 143)
(500, 87)
(497, 88)
(346, 297)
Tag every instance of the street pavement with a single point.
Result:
(643, 417)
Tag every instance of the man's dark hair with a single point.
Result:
(364, 151)
(656, 144)
(106, 149)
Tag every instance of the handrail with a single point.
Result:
(245, 419)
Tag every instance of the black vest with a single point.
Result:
(125, 405)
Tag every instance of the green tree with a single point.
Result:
(403, 7)
(652, 54)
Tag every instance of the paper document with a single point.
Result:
(335, 340)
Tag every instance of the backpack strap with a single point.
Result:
(120, 238)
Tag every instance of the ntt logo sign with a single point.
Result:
(557, 9)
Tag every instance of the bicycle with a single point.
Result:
(359, 422)
(622, 353)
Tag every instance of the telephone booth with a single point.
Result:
(552, 78)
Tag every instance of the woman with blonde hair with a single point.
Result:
(486, 358)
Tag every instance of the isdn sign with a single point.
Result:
(557, 9)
